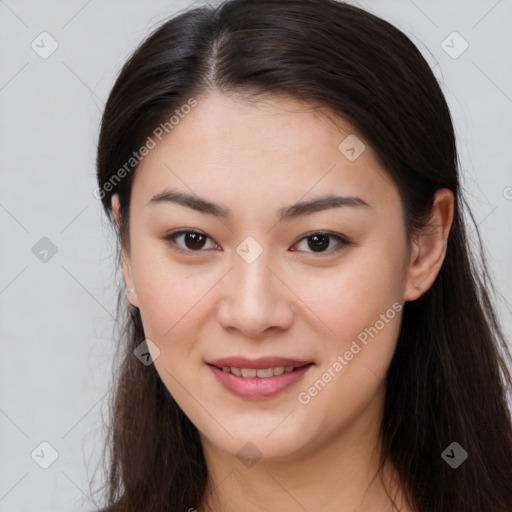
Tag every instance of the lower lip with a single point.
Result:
(256, 387)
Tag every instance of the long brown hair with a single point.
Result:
(448, 379)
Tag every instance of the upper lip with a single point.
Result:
(261, 362)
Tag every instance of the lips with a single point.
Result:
(250, 378)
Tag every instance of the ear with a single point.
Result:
(125, 256)
(429, 247)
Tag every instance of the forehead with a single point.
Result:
(271, 148)
(266, 124)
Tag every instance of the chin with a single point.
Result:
(261, 442)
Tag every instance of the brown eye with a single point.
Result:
(318, 242)
(191, 241)
(194, 241)
(321, 243)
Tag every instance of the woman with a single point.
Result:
(307, 328)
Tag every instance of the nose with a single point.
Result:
(254, 299)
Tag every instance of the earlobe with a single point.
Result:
(116, 207)
(131, 294)
(125, 257)
(429, 249)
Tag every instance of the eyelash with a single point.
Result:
(342, 241)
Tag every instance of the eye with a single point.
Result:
(320, 241)
(193, 241)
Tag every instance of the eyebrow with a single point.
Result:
(289, 212)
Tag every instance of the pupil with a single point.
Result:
(193, 238)
(320, 242)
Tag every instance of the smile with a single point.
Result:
(258, 383)
(262, 373)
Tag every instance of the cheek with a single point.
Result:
(170, 300)
(361, 304)
(346, 299)
(353, 368)
(172, 308)
(352, 373)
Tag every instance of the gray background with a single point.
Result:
(56, 316)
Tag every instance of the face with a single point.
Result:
(256, 283)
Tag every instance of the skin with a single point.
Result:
(291, 301)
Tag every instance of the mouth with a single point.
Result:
(261, 373)
(256, 379)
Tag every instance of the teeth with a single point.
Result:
(257, 372)
(267, 372)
